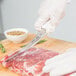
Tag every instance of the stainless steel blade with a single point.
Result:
(29, 45)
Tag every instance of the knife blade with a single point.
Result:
(30, 44)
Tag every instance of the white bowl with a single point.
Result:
(16, 38)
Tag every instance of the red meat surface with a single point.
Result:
(29, 63)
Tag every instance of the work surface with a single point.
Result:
(51, 43)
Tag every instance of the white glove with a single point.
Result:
(51, 12)
(74, 74)
(62, 64)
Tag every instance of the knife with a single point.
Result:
(30, 44)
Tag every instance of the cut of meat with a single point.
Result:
(29, 63)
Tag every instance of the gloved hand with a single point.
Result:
(50, 14)
(62, 64)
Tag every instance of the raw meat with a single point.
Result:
(29, 63)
